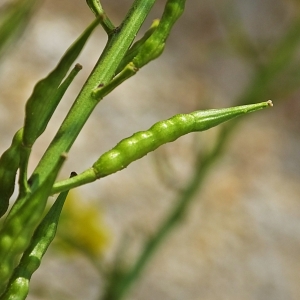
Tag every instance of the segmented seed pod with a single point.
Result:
(141, 143)
(9, 164)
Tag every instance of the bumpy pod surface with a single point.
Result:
(140, 143)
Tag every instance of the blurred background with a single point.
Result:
(241, 236)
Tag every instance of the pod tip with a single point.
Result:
(270, 103)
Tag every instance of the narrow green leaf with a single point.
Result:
(44, 99)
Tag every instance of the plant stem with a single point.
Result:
(115, 49)
(97, 9)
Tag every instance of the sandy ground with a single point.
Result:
(241, 238)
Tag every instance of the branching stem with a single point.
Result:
(116, 48)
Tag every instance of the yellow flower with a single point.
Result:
(82, 226)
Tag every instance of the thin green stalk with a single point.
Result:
(102, 91)
(105, 69)
(97, 9)
(14, 20)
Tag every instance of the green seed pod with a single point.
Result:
(148, 48)
(20, 224)
(9, 164)
(155, 44)
(137, 46)
(141, 143)
(18, 285)
(97, 9)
